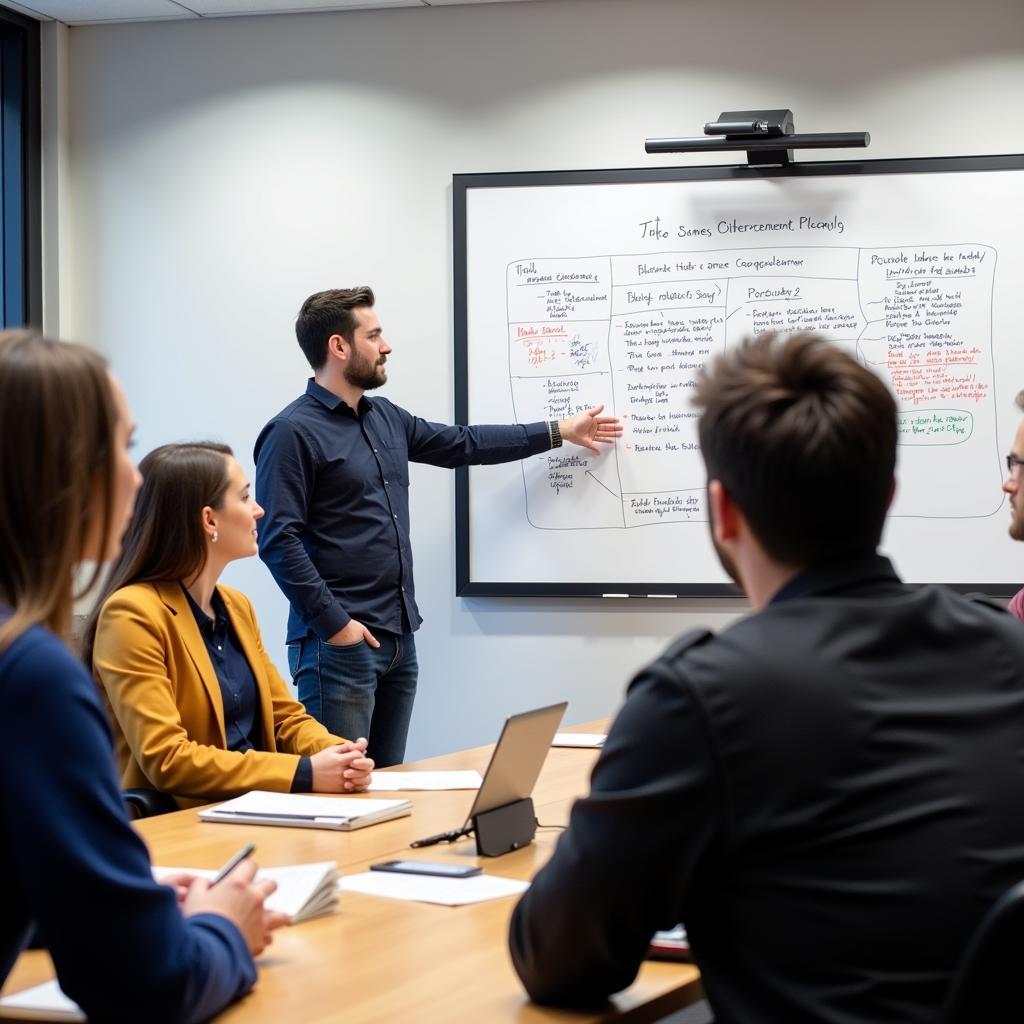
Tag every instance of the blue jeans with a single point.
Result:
(358, 690)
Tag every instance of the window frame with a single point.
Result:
(21, 265)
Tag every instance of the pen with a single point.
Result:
(244, 852)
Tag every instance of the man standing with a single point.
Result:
(828, 794)
(332, 473)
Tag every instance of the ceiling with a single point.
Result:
(91, 12)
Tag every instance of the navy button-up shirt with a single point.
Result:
(234, 673)
(334, 482)
(238, 689)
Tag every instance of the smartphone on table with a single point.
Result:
(426, 867)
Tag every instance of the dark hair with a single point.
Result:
(58, 423)
(804, 440)
(327, 313)
(165, 540)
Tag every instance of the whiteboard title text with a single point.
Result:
(657, 228)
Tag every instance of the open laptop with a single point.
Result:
(502, 813)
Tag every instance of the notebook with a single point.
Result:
(41, 1002)
(671, 944)
(300, 811)
(304, 891)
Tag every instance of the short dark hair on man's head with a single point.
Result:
(327, 313)
(804, 440)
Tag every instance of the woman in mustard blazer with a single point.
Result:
(198, 708)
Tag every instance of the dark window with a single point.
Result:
(20, 256)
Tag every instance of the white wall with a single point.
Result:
(220, 171)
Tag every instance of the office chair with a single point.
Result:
(988, 986)
(147, 803)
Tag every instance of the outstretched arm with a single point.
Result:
(451, 446)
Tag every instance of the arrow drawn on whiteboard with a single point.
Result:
(608, 489)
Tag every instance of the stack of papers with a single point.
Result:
(299, 811)
(579, 739)
(393, 782)
(304, 891)
(451, 892)
(41, 1002)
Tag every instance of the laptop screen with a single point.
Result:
(518, 758)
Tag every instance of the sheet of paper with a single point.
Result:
(41, 1002)
(579, 739)
(394, 782)
(451, 892)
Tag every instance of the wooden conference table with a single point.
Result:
(384, 960)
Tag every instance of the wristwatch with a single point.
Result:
(556, 434)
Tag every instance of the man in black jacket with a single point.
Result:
(829, 793)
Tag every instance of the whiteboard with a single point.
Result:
(574, 289)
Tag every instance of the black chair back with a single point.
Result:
(146, 803)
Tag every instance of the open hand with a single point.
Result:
(589, 429)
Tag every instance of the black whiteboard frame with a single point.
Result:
(462, 184)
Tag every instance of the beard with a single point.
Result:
(365, 374)
(725, 560)
(1016, 530)
(727, 563)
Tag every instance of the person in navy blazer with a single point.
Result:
(125, 948)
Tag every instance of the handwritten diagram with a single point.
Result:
(632, 332)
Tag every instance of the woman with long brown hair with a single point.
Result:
(199, 710)
(123, 947)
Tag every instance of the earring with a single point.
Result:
(215, 536)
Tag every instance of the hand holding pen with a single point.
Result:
(235, 895)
